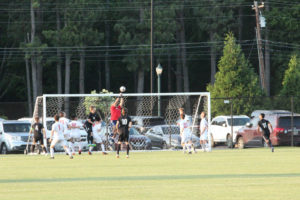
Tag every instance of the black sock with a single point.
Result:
(118, 148)
(270, 143)
(44, 149)
(32, 148)
(127, 149)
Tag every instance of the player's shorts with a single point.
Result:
(124, 136)
(67, 136)
(38, 138)
(186, 138)
(97, 138)
(113, 122)
(204, 136)
(59, 141)
(267, 136)
(75, 137)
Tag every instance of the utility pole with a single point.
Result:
(151, 48)
(256, 8)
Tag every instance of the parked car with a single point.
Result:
(13, 135)
(144, 123)
(160, 137)
(282, 131)
(220, 128)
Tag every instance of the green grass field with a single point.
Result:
(221, 174)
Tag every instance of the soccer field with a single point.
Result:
(221, 174)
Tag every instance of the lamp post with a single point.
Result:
(159, 70)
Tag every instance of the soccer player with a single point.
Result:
(75, 136)
(266, 128)
(185, 133)
(96, 136)
(204, 133)
(39, 134)
(64, 121)
(57, 137)
(123, 125)
(115, 112)
(93, 116)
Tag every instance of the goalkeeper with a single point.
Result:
(115, 112)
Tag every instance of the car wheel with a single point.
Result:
(164, 145)
(3, 149)
(212, 143)
(229, 141)
(240, 143)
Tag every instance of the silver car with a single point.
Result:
(13, 135)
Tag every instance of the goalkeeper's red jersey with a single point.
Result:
(115, 112)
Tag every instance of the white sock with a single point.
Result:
(102, 147)
(91, 148)
(79, 145)
(68, 151)
(71, 146)
(52, 152)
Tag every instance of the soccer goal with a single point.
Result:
(154, 116)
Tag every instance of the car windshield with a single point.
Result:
(171, 130)
(238, 121)
(287, 122)
(133, 131)
(16, 128)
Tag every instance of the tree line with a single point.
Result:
(76, 46)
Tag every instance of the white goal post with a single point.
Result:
(146, 109)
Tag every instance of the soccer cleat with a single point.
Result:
(79, 152)
(104, 153)
(127, 156)
(117, 156)
(51, 158)
(190, 152)
(90, 153)
(71, 157)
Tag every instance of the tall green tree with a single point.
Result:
(291, 79)
(235, 79)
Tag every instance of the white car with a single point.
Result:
(220, 129)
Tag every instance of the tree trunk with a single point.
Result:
(67, 81)
(241, 23)
(99, 77)
(178, 64)
(141, 78)
(213, 59)
(107, 43)
(267, 56)
(81, 72)
(39, 77)
(29, 100)
(33, 56)
(169, 73)
(183, 54)
(58, 53)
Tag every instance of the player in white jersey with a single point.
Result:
(96, 136)
(204, 133)
(57, 137)
(185, 132)
(75, 136)
(64, 121)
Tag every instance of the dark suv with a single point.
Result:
(282, 129)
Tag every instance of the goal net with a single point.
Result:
(154, 116)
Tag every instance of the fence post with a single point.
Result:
(231, 115)
(292, 121)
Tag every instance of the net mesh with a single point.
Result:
(154, 117)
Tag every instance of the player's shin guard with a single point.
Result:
(127, 149)
(32, 148)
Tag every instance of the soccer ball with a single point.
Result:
(122, 89)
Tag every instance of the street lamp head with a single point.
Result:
(159, 69)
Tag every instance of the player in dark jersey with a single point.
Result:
(92, 118)
(123, 125)
(266, 128)
(38, 135)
